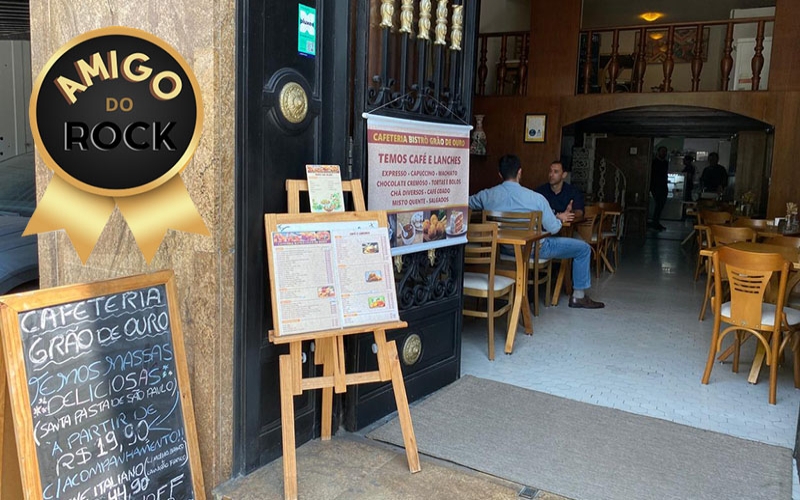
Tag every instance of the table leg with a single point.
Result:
(561, 280)
(520, 286)
(758, 360)
(527, 318)
(689, 238)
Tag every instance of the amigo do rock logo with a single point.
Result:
(116, 114)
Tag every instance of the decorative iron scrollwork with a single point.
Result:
(421, 282)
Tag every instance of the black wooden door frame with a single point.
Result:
(252, 315)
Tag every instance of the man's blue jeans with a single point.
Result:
(555, 247)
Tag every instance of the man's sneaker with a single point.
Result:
(585, 303)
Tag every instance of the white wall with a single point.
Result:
(15, 93)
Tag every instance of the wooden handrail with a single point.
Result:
(502, 66)
(688, 24)
(611, 72)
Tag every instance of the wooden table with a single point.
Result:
(772, 231)
(522, 241)
(788, 253)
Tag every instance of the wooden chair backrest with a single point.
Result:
(296, 186)
(712, 217)
(725, 235)
(523, 221)
(785, 241)
(752, 223)
(610, 215)
(588, 228)
(749, 274)
(609, 206)
(480, 252)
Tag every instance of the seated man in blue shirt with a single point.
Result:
(510, 196)
(562, 196)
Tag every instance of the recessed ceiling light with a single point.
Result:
(656, 36)
(651, 16)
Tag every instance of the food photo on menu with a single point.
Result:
(377, 302)
(373, 276)
(456, 224)
(433, 226)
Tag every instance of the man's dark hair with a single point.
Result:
(559, 162)
(509, 166)
(715, 155)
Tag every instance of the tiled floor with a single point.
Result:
(644, 353)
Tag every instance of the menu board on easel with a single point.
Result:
(330, 275)
(325, 188)
(99, 391)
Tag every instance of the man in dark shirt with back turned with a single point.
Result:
(715, 177)
(562, 196)
(658, 186)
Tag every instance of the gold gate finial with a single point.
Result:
(441, 23)
(406, 16)
(457, 30)
(387, 11)
(424, 20)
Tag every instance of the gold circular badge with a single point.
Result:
(412, 349)
(294, 102)
(117, 114)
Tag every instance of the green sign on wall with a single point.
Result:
(307, 30)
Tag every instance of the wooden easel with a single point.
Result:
(329, 349)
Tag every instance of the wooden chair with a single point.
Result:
(720, 236)
(589, 231)
(749, 274)
(540, 270)
(793, 295)
(480, 281)
(611, 228)
(706, 218)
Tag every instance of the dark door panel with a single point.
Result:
(292, 110)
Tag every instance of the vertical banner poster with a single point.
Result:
(419, 173)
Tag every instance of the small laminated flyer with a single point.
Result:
(332, 278)
(325, 188)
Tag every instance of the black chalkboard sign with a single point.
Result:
(99, 391)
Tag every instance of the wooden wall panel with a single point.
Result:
(554, 47)
(784, 73)
(751, 151)
(785, 177)
(504, 125)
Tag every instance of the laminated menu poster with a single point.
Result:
(327, 279)
(325, 188)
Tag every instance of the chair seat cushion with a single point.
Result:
(768, 314)
(480, 281)
(511, 258)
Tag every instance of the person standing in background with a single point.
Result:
(658, 186)
(715, 176)
(688, 177)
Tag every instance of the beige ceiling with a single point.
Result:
(601, 13)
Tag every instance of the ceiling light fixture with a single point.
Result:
(656, 36)
(651, 16)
